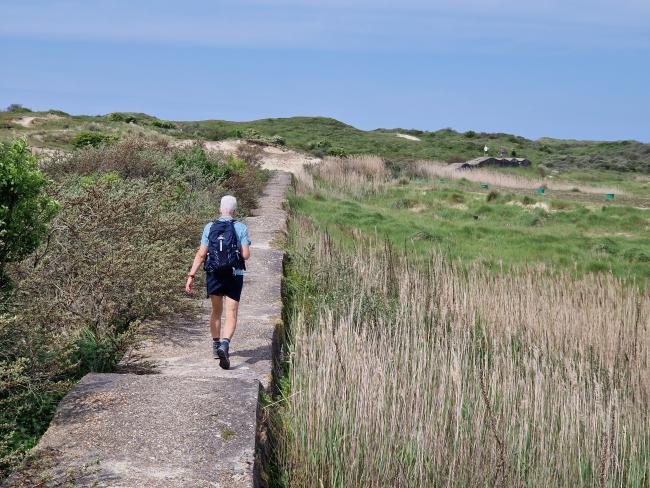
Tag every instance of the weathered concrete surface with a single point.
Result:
(188, 423)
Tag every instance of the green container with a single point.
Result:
(610, 196)
(484, 186)
(541, 190)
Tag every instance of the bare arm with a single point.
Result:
(245, 252)
(198, 260)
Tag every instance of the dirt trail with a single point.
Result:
(274, 158)
(24, 121)
(29, 121)
(190, 423)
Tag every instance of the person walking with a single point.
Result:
(224, 248)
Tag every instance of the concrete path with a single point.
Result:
(190, 423)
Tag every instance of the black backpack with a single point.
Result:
(223, 249)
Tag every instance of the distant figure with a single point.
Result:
(485, 150)
(502, 152)
(224, 248)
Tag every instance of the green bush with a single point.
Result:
(60, 113)
(17, 108)
(252, 135)
(25, 210)
(163, 124)
(319, 145)
(277, 140)
(116, 255)
(470, 134)
(338, 152)
(120, 117)
(88, 138)
(129, 157)
(526, 200)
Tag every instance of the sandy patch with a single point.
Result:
(275, 158)
(29, 121)
(627, 235)
(542, 205)
(409, 137)
(418, 208)
(24, 121)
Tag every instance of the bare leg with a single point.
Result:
(231, 318)
(215, 316)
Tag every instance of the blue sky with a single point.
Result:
(572, 69)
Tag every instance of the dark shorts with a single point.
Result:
(228, 285)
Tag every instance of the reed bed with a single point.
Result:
(362, 174)
(431, 169)
(439, 375)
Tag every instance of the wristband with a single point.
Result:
(190, 276)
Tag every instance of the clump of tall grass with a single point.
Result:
(418, 376)
(431, 169)
(362, 174)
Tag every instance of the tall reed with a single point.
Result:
(437, 375)
(354, 174)
(431, 169)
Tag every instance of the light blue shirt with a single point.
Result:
(241, 232)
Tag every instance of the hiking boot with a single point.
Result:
(224, 355)
(215, 346)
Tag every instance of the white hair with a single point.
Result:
(228, 204)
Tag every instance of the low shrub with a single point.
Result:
(25, 210)
(337, 152)
(163, 124)
(60, 113)
(120, 117)
(115, 255)
(91, 139)
(130, 157)
(17, 108)
(252, 135)
(526, 200)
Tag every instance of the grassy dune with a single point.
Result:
(322, 136)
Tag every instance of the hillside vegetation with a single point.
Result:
(128, 217)
(324, 136)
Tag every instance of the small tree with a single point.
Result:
(17, 108)
(25, 210)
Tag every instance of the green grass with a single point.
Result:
(511, 229)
